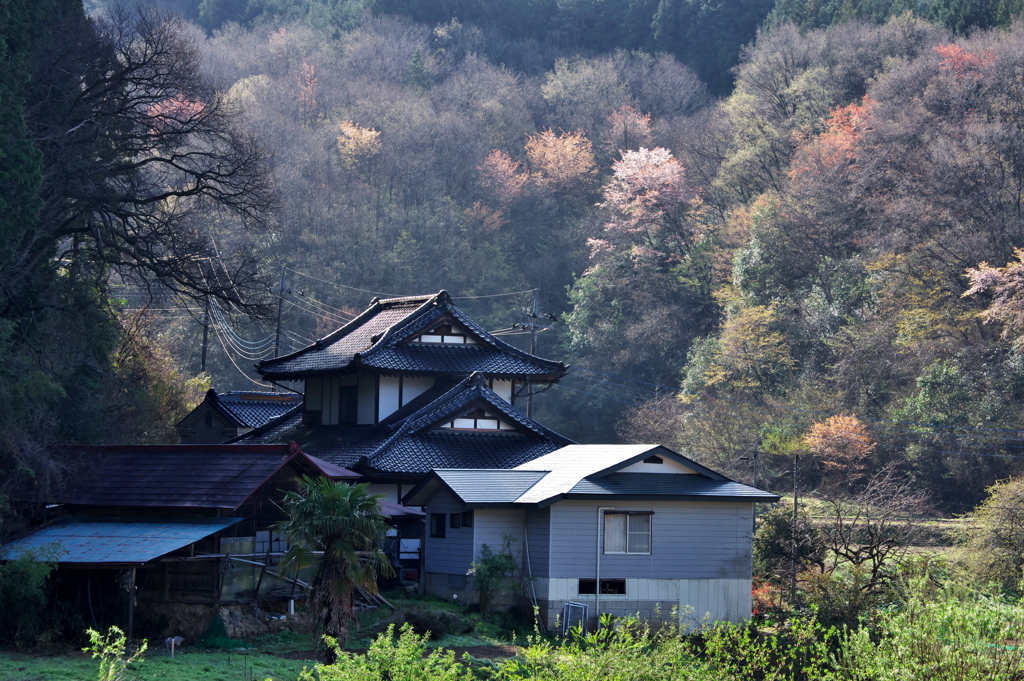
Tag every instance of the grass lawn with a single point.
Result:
(236, 665)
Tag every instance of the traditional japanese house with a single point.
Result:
(412, 384)
(224, 416)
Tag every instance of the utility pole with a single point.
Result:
(206, 333)
(796, 498)
(280, 303)
(533, 347)
(535, 326)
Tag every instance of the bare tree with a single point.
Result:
(870, 530)
(141, 158)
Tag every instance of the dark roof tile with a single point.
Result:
(379, 337)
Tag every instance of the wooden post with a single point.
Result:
(131, 606)
(259, 581)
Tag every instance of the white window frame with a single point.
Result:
(629, 516)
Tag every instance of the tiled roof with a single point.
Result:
(378, 339)
(417, 453)
(253, 409)
(668, 485)
(407, 442)
(174, 476)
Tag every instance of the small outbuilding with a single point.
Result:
(605, 529)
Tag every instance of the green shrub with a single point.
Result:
(492, 574)
(948, 634)
(23, 596)
(797, 649)
(629, 651)
(424, 621)
(391, 658)
(112, 649)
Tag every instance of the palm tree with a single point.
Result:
(344, 524)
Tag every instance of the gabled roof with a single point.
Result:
(176, 476)
(380, 338)
(571, 464)
(586, 472)
(98, 540)
(478, 486)
(408, 443)
(418, 444)
(250, 409)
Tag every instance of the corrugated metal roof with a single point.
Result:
(97, 540)
(669, 485)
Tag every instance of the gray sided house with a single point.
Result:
(623, 529)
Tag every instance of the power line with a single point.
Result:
(493, 295)
(334, 283)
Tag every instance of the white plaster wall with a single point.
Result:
(414, 386)
(387, 398)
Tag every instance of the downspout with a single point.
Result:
(597, 581)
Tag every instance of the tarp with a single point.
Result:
(117, 541)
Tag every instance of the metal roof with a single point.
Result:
(585, 470)
(99, 540)
(668, 485)
(479, 486)
(571, 464)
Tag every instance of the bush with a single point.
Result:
(112, 649)
(23, 597)
(492, 574)
(951, 634)
(797, 649)
(431, 623)
(994, 535)
(629, 651)
(391, 658)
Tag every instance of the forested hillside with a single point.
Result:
(728, 256)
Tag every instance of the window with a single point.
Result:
(437, 522)
(467, 519)
(455, 521)
(608, 586)
(653, 459)
(477, 419)
(445, 333)
(627, 532)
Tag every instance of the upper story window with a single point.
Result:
(447, 334)
(478, 419)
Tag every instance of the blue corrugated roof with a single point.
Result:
(92, 540)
